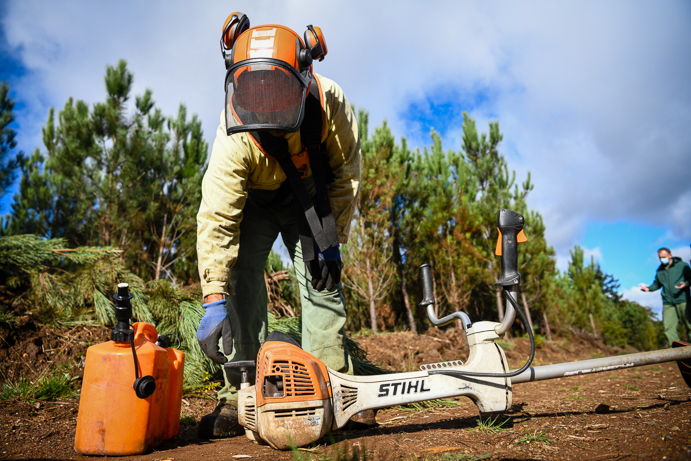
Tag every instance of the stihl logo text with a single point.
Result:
(410, 387)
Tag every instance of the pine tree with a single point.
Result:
(400, 222)
(8, 162)
(496, 190)
(447, 226)
(369, 252)
(107, 178)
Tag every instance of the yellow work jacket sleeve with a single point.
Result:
(237, 165)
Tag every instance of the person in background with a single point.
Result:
(674, 277)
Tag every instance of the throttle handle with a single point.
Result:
(510, 226)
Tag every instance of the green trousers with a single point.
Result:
(672, 314)
(323, 313)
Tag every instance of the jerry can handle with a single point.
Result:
(146, 329)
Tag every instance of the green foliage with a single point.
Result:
(463, 457)
(59, 283)
(539, 340)
(57, 384)
(435, 403)
(357, 454)
(197, 365)
(588, 297)
(8, 162)
(369, 252)
(188, 421)
(108, 177)
(491, 425)
(441, 209)
(629, 323)
(536, 437)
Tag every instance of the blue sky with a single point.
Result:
(593, 98)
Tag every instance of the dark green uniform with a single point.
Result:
(674, 300)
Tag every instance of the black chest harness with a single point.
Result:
(316, 222)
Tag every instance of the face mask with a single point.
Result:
(664, 261)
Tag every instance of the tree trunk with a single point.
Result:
(161, 244)
(548, 331)
(592, 324)
(500, 305)
(527, 310)
(370, 286)
(453, 289)
(372, 304)
(434, 293)
(404, 287)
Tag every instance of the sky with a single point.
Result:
(593, 98)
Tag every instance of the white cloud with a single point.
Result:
(593, 98)
(683, 252)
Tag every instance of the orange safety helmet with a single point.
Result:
(269, 71)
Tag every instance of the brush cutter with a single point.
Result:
(296, 399)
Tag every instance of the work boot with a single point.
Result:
(221, 424)
(362, 420)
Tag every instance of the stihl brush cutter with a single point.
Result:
(296, 399)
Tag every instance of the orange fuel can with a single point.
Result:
(113, 420)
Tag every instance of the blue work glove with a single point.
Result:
(215, 325)
(325, 268)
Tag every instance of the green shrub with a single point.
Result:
(54, 386)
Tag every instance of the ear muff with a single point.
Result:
(303, 55)
(314, 41)
(235, 25)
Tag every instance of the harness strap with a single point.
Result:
(310, 134)
(316, 222)
(279, 150)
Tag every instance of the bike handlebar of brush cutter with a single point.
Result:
(428, 301)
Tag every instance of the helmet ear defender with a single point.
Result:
(303, 55)
(315, 47)
(235, 25)
(314, 41)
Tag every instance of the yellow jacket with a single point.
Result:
(237, 164)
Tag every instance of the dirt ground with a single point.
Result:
(625, 414)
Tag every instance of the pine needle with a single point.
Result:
(197, 364)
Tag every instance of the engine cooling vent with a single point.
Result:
(298, 413)
(348, 396)
(296, 379)
(251, 416)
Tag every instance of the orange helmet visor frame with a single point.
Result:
(282, 100)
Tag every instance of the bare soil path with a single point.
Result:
(639, 413)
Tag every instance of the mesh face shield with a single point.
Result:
(264, 94)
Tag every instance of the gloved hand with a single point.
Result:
(325, 268)
(215, 325)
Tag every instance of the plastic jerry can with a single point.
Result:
(177, 368)
(117, 420)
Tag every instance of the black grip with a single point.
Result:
(240, 364)
(427, 285)
(510, 224)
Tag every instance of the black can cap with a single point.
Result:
(145, 386)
